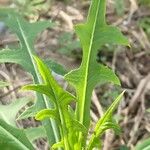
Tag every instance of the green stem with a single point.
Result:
(64, 130)
(63, 127)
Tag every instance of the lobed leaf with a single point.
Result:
(108, 115)
(9, 112)
(58, 145)
(27, 32)
(61, 100)
(105, 123)
(93, 34)
(46, 113)
(79, 127)
(56, 91)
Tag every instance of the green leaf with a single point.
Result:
(50, 87)
(58, 145)
(56, 91)
(108, 114)
(8, 112)
(35, 133)
(43, 89)
(27, 32)
(109, 125)
(13, 138)
(143, 145)
(60, 98)
(105, 123)
(57, 68)
(93, 34)
(79, 127)
(123, 147)
(46, 113)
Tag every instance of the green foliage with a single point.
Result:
(61, 100)
(9, 112)
(106, 122)
(93, 34)
(123, 147)
(13, 138)
(144, 145)
(27, 32)
(66, 126)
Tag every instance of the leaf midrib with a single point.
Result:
(62, 117)
(15, 139)
(36, 72)
(28, 48)
(87, 66)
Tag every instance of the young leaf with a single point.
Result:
(79, 127)
(58, 145)
(60, 99)
(50, 87)
(13, 138)
(105, 123)
(8, 112)
(93, 34)
(27, 32)
(46, 113)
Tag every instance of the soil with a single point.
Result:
(132, 65)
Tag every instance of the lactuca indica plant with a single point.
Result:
(66, 127)
(22, 55)
(63, 113)
(74, 124)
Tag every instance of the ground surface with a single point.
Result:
(132, 65)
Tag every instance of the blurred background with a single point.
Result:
(132, 65)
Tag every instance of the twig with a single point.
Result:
(140, 90)
(96, 102)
